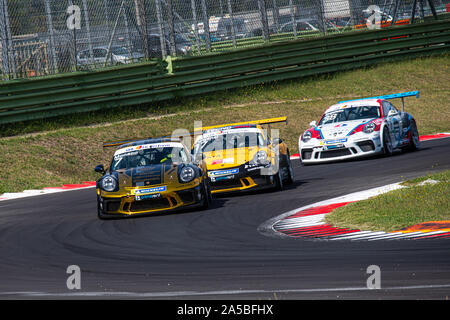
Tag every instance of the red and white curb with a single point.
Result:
(309, 222)
(31, 193)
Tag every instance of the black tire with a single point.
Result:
(207, 197)
(414, 144)
(289, 178)
(278, 181)
(387, 143)
(100, 214)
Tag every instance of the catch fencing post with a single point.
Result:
(206, 26)
(276, 15)
(194, 16)
(321, 16)
(74, 41)
(233, 30)
(142, 21)
(88, 29)
(172, 48)
(3, 35)
(108, 52)
(52, 36)
(264, 22)
(162, 36)
(292, 12)
(12, 60)
(127, 30)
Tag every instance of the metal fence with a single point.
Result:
(42, 37)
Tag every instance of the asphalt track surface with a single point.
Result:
(219, 253)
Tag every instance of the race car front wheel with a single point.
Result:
(278, 181)
(387, 143)
(100, 213)
(207, 198)
(414, 142)
(289, 174)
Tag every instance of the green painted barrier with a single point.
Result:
(181, 77)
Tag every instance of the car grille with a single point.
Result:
(150, 204)
(226, 184)
(112, 205)
(306, 154)
(366, 145)
(334, 153)
(187, 196)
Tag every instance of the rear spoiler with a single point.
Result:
(257, 122)
(110, 144)
(122, 142)
(401, 95)
(197, 131)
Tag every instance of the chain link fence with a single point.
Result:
(42, 37)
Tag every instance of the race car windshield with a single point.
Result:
(230, 141)
(149, 157)
(349, 114)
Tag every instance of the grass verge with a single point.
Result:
(414, 204)
(65, 150)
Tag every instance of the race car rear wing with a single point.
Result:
(257, 122)
(401, 95)
(110, 144)
(196, 131)
(122, 142)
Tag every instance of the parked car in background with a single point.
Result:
(182, 45)
(118, 55)
(301, 25)
(225, 31)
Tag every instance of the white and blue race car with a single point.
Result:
(359, 128)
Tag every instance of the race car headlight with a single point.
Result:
(260, 158)
(307, 136)
(369, 128)
(109, 184)
(187, 174)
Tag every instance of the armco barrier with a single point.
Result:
(145, 83)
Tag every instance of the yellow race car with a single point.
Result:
(151, 176)
(242, 156)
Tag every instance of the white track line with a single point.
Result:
(209, 293)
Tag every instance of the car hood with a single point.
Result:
(340, 129)
(147, 176)
(224, 159)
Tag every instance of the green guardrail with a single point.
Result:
(149, 82)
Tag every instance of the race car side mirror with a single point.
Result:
(277, 141)
(100, 169)
(313, 124)
(198, 158)
(392, 113)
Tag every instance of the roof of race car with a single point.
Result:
(148, 144)
(354, 103)
(228, 130)
(149, 141)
